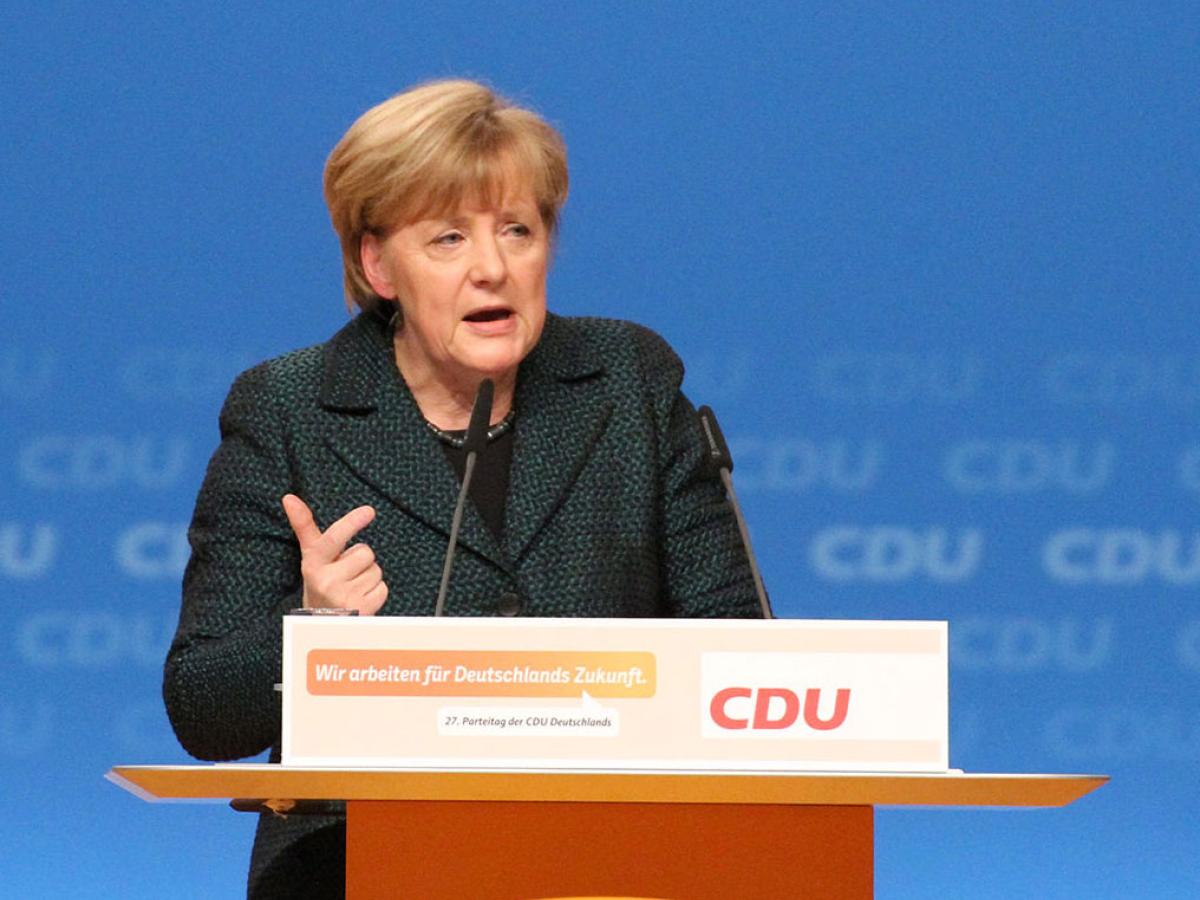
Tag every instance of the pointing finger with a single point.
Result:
(300, 517)
(339, 534)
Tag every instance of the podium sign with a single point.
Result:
(780, 695)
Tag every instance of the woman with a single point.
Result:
(335, 480)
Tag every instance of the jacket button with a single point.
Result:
(510, 604)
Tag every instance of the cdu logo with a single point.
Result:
(180, 374)
(1024, 467)
(150, 550)
(1125, 733)
(27, 551)
(888, 553)
(800, 465)
(776, 708)
(1027, 644)
(93, 639)
(888, 379)
(98, 461)
(1086, 379)
(1117, 556)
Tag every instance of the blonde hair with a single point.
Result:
(423, 152)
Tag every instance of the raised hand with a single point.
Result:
(334, 575)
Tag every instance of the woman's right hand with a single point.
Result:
(334, 576)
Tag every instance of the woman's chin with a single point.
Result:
(493, 362)
(494, 356)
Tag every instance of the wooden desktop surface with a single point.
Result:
(260, 780)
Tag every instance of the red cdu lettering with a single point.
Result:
(716, 708)
(812, 701)
(791, 708)
(770, 715)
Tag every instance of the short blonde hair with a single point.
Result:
(426, 150)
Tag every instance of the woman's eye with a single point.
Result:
(449, 239)
(516, 229)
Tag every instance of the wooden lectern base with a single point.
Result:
(511, 850)
(679, 835)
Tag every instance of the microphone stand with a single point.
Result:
(476, 440)
(720, 459)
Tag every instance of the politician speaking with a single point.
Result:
(339, 466)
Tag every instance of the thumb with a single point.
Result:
(300, 517)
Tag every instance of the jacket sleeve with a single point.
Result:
(704, 565)
(219, 678)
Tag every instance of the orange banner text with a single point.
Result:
(480, 673)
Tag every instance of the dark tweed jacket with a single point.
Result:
(609, 513)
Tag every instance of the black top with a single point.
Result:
(489, 484)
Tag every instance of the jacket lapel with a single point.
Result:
(379, 433)
(561, 414)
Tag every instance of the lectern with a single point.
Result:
(685, 836)
(681, 759)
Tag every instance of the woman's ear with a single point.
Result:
(378, 273)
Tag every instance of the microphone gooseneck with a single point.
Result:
(720, 461)
(481, 417)
(475, 441)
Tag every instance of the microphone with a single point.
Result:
(481, 419)
(720, 461)
(473, 443)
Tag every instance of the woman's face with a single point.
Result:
(471, 287)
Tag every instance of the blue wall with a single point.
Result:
(935, 268)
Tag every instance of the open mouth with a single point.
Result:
(496, 314)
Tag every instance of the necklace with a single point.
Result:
(456, 439)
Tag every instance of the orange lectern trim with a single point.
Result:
(262, 781)
(698, 851)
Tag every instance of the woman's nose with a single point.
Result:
(488, 265)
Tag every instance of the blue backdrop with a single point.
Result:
(935, 267)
